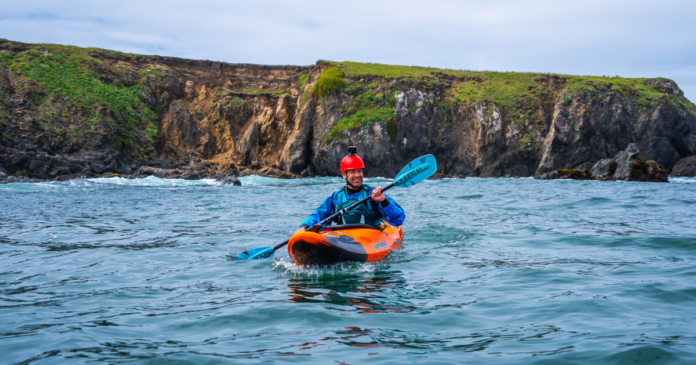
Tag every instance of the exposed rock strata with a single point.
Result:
(267, 120)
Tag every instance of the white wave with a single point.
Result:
(25, 187)
(255, 180)
(80, 182)
(689, 180)
(150, 181)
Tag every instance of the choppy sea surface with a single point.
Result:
(495, 271)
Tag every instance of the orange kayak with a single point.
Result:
(351, 242)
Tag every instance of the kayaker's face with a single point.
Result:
(354, 177)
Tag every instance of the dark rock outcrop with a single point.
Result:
(605, 169)
(647, 171)
(625, 160)
(685, 167)
(609, 175)
(628, 165)
(229, 180)
(574, 174)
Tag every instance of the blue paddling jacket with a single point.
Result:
(388, 209)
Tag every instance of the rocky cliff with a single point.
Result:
(68, 111)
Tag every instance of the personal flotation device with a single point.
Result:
(362, 214)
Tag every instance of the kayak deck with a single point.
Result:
(354, 242)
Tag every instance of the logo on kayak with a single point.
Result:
(381, 245)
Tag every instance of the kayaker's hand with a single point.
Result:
(301, 229)
(378, 195)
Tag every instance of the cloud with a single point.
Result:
(627, 38)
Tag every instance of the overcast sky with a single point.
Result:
(610, 37)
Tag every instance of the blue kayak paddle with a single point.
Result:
(413, 173)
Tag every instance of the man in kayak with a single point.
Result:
(372, 212)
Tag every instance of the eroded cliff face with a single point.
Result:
(589, 127)
(71, 111)
(572, 129)
(97, 111)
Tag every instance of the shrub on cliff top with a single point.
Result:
(329, 82)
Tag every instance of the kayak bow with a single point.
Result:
(351, 242)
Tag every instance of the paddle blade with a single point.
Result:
(256, 253)
(416, 171)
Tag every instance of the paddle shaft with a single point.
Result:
(318, 226)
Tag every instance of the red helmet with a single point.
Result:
(352, 161)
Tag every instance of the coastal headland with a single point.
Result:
(67, 112)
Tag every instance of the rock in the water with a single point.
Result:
(604, 169)
(685, 167)
(230, 180)
(648, 171)
(574, 174)
(603, 166)
(625, 159)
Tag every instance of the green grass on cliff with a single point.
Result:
(64, 76)
(367, 108)
(387, 71)
(518, 96)
(72, 91)
(639, 90)
(329, 82)
(302, 80)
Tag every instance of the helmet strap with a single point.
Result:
(351, 185)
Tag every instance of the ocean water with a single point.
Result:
(495, 271)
